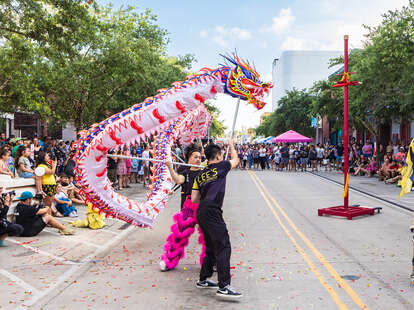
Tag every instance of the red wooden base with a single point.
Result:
(349, 213)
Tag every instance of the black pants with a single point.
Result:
(11, 230)
(217, 240)
(263, 163)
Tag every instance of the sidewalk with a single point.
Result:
(31, 267)
(389, 192)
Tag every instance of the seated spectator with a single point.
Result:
(395, 167)
(22, 163)
(400, 156)
(4, 159)
(71, 190)
(372, 167)
(7, 228)
(362, 164)
(34, 218)
(63, 204)
(384, 172)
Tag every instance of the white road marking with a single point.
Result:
(36, 250)
(20, 282)
(69, 273)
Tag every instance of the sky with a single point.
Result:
(260, 31)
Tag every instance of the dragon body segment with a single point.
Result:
(177, 112)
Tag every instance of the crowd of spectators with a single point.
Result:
(56, 192)
(363, 158)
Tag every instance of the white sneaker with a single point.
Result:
(163, 266)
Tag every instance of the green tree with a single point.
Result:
(217, 127)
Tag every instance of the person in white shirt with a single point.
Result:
(146, 163)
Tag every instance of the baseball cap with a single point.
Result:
(25, 195)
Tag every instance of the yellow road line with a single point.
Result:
(354, 296)
(329, 288)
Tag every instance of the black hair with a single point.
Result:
(211, 151)
(41, 158)
(192, 148)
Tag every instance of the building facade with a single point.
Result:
(300, 69)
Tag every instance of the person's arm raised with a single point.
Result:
(178, 178)
(234, 158)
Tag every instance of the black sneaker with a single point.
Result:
(228, 293)
(207, 284)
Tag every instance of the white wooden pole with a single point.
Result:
(234, 125)
(154, 160)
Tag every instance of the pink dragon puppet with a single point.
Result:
(174, 113)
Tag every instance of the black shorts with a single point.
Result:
(37, 226)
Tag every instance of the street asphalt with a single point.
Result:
(284, 256)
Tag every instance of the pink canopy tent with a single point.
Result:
(292, 137)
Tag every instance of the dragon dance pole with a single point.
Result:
(234, 125)
(346, 158)
(154, 160)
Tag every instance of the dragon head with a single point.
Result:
(244, 82)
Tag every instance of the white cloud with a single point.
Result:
(282, 22)
(203, 34)
(292, 43)
(224, 36)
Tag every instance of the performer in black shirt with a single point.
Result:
(184, 221)
(208, 190)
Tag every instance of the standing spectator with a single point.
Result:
(4, 158)
(2, 139)
(127, 178)
(111, 168)
(121, 171)
(134, 166)
(48, 180)
(146, 164)
(69, 165)
(284, 152)
(22, 162)
(390, 148)
(319, 154)
(339, 156)
(367, 149)
(381, 154)
(313, 157)
(262, 157)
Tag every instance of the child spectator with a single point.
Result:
(127, 178)
(22, 162)
(121, 171)
(63, 204)
(4, 158)
(134, 166)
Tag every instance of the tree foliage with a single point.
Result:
(385, 68)
(69, 61)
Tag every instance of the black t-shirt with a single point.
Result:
(284, 152)
(26, 215)
(70, 165)
(187, 186)
(340, 150)
(211, 182)
(111, 161)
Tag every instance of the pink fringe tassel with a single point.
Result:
(181, 231)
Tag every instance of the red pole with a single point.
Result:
(346, 158)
